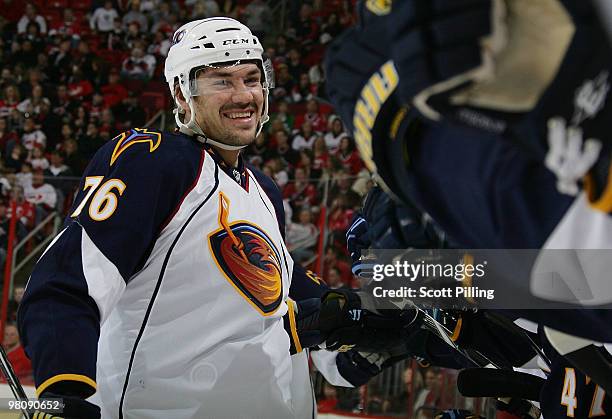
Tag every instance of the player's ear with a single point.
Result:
(180, 99)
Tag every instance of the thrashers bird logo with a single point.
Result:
(248, 259)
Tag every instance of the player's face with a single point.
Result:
(230, 102)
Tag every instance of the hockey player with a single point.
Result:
(484, 192)
(166, 293)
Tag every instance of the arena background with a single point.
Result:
(76, 73)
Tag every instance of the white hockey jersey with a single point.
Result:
(186, 271)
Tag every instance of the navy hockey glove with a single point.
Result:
(343, 319)
(358, 367)
(545, 90)
(71, 408)
(393, 225)
(357, 240)
(349, 320)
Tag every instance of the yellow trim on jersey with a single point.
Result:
(66, 377)
(293, 326)
(467, 281)
(457, 331)
(43, 415)
(313, 277)
(604, 201)
(379, 7)
(153, 142)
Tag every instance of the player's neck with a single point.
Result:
(230, 157)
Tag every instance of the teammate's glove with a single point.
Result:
(393, 225)
(494, 336)
(350, 320)
(358, 367)
(72, 408)
(342, 320)
(358, 239)
(457, 414)
(527, 79)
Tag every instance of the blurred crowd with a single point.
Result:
(409, 391)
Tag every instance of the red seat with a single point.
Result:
(53, 17)
(113, 57)
(133, 85)
(152, 102)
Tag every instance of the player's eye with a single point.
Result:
(252, 81)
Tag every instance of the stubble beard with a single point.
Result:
(228, 136)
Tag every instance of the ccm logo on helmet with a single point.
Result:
(178, 37)
(235, 41)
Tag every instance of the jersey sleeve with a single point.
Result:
(129, 191)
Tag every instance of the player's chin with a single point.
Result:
(245, 136)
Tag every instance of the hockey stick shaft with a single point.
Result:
(13, 382)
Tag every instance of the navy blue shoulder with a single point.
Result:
(146, 174)
(148, 149)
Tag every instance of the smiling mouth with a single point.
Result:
(239, 115)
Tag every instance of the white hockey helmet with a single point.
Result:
(208, 43)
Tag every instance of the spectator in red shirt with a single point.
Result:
(300, 192)
(69, 26)
(79, 88)
(333, 260)
(339, 217)
(16, 355)
(114, 92)
(138, 65)
(42, 195)
(320, 155)
(349, 157)
(312, 115)
(26, 211)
